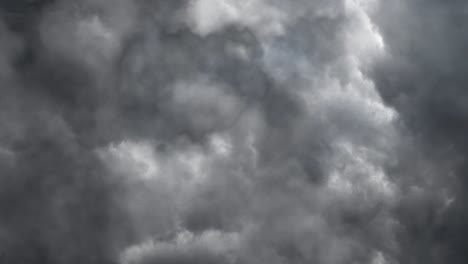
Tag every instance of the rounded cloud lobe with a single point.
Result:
(201, 131)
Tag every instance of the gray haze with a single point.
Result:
(233, 131)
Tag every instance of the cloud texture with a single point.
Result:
(226, 131)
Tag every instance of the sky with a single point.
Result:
(233, 131)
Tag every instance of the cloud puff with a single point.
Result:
(209, 247)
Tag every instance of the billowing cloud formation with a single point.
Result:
(423, 79)
(253, 131)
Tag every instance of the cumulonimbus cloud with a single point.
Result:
(254, 131)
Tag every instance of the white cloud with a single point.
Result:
(185, 243)
(357, 171)
(136, 159)
(208, 16)
(221, 145)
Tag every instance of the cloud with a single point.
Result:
(422, 79)
(256, 131)
(209, 247)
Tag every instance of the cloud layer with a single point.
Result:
(254, 131)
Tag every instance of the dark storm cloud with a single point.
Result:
(66, 92)
(300, 179)
(229, 131)
(57, 205)
(424, 77)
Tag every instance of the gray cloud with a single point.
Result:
(423, 79)
(231, 132)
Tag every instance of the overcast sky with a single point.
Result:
(233, 131)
